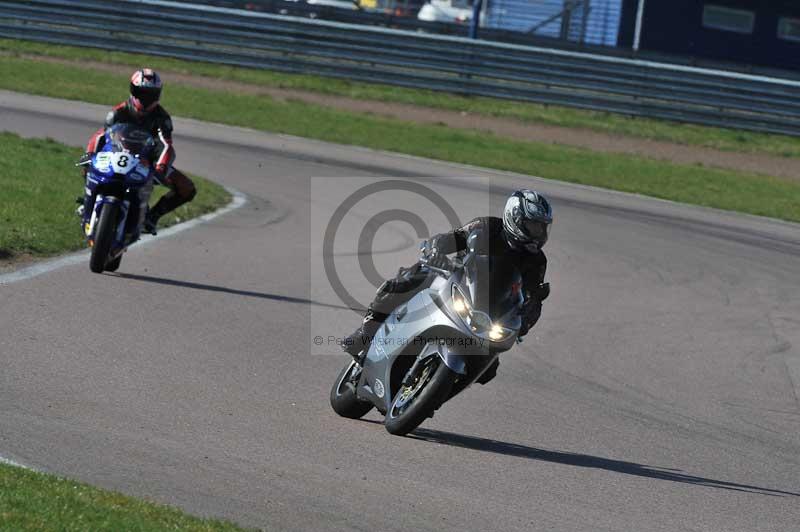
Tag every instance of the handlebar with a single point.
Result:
(424, 249)
(85, 159)
(425, 262)
(425, 254)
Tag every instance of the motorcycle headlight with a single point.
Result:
(478, 322)
(460, 304)
(498, 333)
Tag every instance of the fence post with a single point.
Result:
(637, 35)
(476, 18)
(566, 19)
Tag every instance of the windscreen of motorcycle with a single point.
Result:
(131, 138)
(495, 287)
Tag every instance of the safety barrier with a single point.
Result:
(411, 59)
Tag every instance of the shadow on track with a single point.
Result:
(584, 460)
(224, 290)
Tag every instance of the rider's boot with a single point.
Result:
(80, 209)
(84, 210)
(83, 203)
(151, 218)
(150, 223)
(357, 344)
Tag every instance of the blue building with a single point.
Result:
(580, 21)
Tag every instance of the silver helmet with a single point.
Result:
(526, 219)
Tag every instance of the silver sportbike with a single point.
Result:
(446, 337)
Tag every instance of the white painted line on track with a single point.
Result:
(41, 268)
(6, 461)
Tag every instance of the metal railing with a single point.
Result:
(409, 59)
(561, 23)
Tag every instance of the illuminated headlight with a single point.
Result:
(460, 304)
(478, 322)
(498, 333)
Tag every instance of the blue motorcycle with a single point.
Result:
(119, 180)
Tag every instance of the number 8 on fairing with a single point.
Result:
(122, 163)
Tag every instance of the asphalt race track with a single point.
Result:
(659, 391)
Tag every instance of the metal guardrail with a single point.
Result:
(407, 20)
(515, 21)
(395, 57)
(301, 8)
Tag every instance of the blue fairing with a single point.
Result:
(118, 173)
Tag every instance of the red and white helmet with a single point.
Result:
(145, 90)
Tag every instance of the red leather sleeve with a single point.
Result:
(167, 155)
(94, 142)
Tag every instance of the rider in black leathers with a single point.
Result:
(518, 237)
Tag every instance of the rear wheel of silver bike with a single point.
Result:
(344, 400)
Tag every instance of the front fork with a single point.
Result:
(452, 360)
(96, 205)
(93, 204)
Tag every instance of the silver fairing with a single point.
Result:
(426, 326)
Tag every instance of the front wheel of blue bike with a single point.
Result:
(103, 237)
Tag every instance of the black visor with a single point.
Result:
(535, 230)
(146, 95)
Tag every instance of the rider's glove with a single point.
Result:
(439, 261)
(541, 292)
(532, 308)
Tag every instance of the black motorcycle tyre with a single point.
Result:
(435, 392)
(344, 400)
(104, 237)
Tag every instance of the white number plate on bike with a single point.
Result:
(119, 162)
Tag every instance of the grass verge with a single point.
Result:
(777, 197)
(36, 501)
(717, 138)
(39, 184)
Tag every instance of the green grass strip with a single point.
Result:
(31, 501)
(710, 137)
(39, 184)
(776, 197)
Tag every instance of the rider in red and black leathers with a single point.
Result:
(143, 109)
